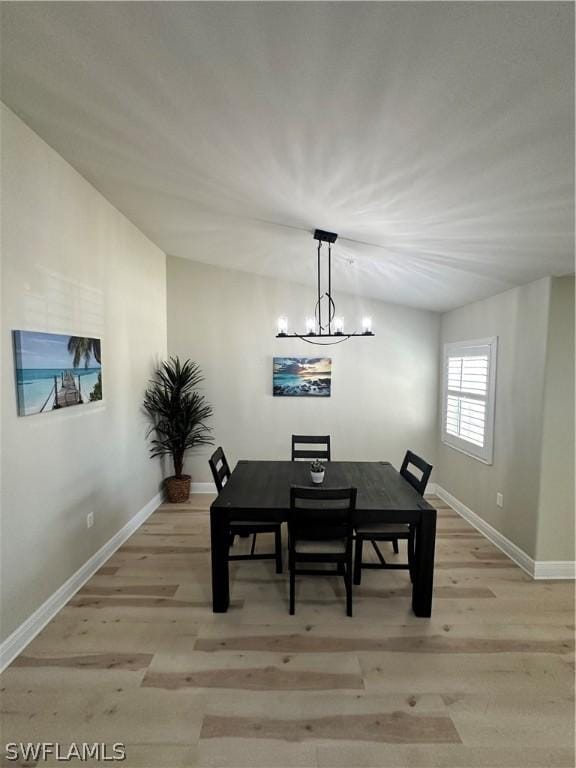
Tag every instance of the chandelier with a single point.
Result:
(326, 327)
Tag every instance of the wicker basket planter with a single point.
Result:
(178, 489)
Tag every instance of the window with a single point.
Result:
(468, 397)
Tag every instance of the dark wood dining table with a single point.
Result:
(260, 490)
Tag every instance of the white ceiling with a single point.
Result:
(435, 138)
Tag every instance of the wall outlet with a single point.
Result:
(89, 519)
(499, 500)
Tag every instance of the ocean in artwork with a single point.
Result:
(55, 371)
(302, 376)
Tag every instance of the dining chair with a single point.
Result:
(393, 532)
(311, 453)
(221, 473)
(320, 530)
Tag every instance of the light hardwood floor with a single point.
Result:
(137, 656)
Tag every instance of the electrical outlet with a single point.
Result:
(89, 519)
(499, 500)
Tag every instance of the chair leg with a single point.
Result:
(348, 582)
(395, 546)
(292, 588)
(278, 543)
(253, 547)
(358, 560)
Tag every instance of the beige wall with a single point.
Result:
(521, 319)
(71, 263)
(555, 539)
(384, 389)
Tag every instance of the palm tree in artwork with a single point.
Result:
(84, 348)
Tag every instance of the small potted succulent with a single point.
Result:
(317, 471)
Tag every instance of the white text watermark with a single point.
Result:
(41, 751)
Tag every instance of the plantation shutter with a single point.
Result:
(468, 407)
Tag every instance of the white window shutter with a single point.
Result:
(468, 397)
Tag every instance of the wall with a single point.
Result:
(71, 263)
(520, 318)
(384, 389)
(555, 540)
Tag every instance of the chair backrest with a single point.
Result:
(311, 453)
(418, 483)
(321, 513)
(220, 469)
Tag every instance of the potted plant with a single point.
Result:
(317, 471)
(178, 414)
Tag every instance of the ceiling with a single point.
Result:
(435, 138)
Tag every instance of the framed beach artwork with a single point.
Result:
(302, 376)
(56, 371)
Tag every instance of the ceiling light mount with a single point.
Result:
(332, 331)
(325, 237)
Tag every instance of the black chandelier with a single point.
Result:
(333, 327)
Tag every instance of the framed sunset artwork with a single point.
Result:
(302, 377)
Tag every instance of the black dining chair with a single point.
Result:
(320, 530)
(221, 473)
(393, 532)
(322, 453)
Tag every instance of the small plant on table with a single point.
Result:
(317, 471)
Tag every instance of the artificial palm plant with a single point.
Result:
(178, 413)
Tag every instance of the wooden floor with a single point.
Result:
(138, 657)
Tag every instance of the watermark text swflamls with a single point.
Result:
(41, 751)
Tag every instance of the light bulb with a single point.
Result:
(367, 324)
(283, 325)
(339, 325)
(310, 325)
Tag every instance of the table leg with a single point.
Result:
(424, 564)
(219, 536)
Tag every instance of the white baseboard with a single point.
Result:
(27, 631)
(554, 569)
(498, 539)
(202, 488)
(538, 569)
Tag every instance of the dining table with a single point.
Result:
(260, 491)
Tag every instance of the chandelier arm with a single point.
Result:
(331, 309)
(324, 343)
(331, 313)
